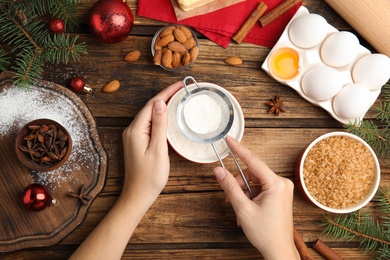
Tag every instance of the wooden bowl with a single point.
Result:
(346, 161)
(52, 153)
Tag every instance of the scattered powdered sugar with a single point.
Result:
(19, 106)
(202, 114)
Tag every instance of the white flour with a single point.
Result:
(202, 114)
(19, 106)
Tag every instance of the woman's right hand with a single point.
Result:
(267, 219)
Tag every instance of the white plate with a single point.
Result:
(196, 152)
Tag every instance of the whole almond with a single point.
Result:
(156, 46)
(177, 47)
(164, 41)
(179, 35)
(166, 59)
(157, 57)
(176, 59)
(133, 56)
(194, 53)
(189, 44)
(233, 60)
(111, 86)
(186, 31)
(166, 31)
(186, 59)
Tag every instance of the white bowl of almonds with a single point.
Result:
(174, 47)
(338, 172)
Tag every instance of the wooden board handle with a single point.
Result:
(371, 19)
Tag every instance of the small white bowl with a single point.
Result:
(300, 178)
(199, 152)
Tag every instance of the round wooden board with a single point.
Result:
(21, 228)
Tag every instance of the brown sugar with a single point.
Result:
(339, 171)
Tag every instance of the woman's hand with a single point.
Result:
(267, 220)
(146, 173)
(146, 149)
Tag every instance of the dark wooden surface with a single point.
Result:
(190, 219)
(21, 228)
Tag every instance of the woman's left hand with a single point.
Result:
(146, 149)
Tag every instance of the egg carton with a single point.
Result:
(311, 58)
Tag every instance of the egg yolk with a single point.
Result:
(284, 63)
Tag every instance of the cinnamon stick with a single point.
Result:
(326, 251)
(301, 246)
(277, 12)
(249, 23)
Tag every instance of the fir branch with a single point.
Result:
(21, 36)
(344, 227)
(22, 28)
(4, 60)
(61, 47)
(383, 112)
(28, 67)
(366, 225)
(377, 138)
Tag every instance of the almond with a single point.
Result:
(157, 57)
(164, 41)
(177, 47)
(166, 59)
(186, 59)
(189, 44)
(166, 31)
(179, 35)
(156, 46)
(233, 60)
(186, 31)
(176, 59)
(133, 56)
(194, 53)
(111, 86)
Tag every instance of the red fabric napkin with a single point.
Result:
(220, 26)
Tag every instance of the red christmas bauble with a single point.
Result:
(36, 197)
(111, 21)
(56, 26)
(77, 84)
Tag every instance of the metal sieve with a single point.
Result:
(219, 126)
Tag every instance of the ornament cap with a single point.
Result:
(87, 89)
(54, 202)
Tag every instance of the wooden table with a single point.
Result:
(190, 219)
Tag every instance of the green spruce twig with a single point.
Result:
(23, 29)
(4, 60)
(369, 226)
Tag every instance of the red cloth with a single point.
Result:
(221, 25)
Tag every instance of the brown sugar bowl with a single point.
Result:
(43, 145)
(174, 47)
(338, 172)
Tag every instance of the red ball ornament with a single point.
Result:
(36, 197)
(110, 21)
(56, 26)
(78, 85)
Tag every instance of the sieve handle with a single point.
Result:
(237, 164)
(185, 82)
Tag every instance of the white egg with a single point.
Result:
(340, 49)
(307, 31)
(321, 83)
(372, 70)
(352, 101)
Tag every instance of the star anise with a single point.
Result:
(276, 106)
(81, 196)
(45, 143)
